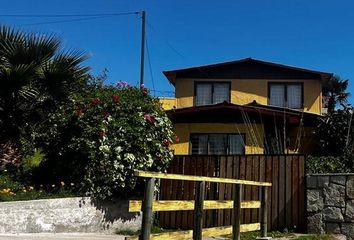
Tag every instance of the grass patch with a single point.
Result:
(314, 237)
(154, 230)
(244, 236)
(11, 190)
(127, 232)
(273, 234)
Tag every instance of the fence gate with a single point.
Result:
(286, 197)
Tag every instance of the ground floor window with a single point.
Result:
(217, 143)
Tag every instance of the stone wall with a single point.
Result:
(330, 204)
(67, 215)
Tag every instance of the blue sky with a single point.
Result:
(315, 34)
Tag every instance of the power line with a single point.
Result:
(150, 65)
(63, 21)
(66, 15)
(167, 42)
(176, 51)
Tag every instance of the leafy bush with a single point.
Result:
(36, 76)
(325, 164)
(32, 161)
(109, 134)
(335, 133)
(334, 136)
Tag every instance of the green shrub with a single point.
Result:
(107, 135)
(330, 164)
(32, 161)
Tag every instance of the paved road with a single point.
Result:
(60, 236)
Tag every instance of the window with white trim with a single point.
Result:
(211, 93)
(217, 144)
(286, 95)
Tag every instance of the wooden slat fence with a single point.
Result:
(286, 197)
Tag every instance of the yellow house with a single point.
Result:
(244, 107)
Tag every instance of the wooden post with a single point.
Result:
(264, 210)
(147, 209)
(198, 210)
(237, 210)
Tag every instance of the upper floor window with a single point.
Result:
(211, 92)
(286, 95)
(217, 143)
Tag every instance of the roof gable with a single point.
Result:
(247, 68)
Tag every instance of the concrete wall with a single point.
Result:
(330, 204)
(66, 215)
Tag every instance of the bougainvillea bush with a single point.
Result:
(110, 133)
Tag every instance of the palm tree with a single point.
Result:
(35, 76)
(334, 90)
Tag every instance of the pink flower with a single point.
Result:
(115, 98)
(149, 118)
(142, 86)
(177, 139)
(122, 84)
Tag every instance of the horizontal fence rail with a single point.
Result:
(286, 201)
(199, 178)
(198, 205)
(170, 205)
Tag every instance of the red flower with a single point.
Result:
(115, 98)
(95, 101)
(101, 134)
(105, 114)
(177, 139)
(166, 143)
(145, 92)
(79, 113)
(149, 118)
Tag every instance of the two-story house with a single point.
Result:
(244, 107)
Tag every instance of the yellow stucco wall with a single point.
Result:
(168, 103)
(254, 135)
(244, 91)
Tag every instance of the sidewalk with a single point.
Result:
(65, 236)
(60, 236)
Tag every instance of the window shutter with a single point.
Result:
(277, 95)
(236, 144)
(294, 96)
(203, 94)
(221, 92)
(199, 144)
(217, 144)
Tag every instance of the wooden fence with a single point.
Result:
(286, 197)
(148, 206)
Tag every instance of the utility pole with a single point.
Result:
(142, 47)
